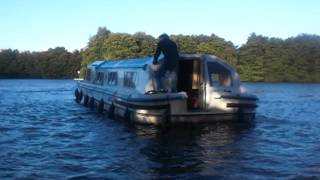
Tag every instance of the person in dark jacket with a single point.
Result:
(169, 65)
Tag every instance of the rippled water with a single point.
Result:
(45, 134)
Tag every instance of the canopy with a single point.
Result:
(123, 63)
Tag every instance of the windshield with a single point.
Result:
(219, 75)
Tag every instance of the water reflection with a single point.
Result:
(46, 135)
(179, 151)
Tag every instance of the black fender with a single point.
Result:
(101, 106)
(91, 103)
(80, 96)
(86, 100)
(127, 115)
(76, 94)
(111, 111)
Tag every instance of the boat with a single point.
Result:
(208, 90)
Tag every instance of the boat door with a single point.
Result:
(190, 80)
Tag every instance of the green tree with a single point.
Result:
(54, 63)
(120, 46)
(146, 44)
(95, 48)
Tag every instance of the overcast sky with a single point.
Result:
(37, 25)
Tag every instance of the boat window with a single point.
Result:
(100, 78)
(105, 78)
(112, 78)
(129, 79)
(88, 75)
(219, 75)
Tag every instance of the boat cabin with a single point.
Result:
(197, 74)
(206, 86)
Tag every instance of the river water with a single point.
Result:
(44, 134)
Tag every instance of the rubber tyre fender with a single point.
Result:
(101, 106)
(127, 115)
(76, 94)
(80, 97)
(86, 100)
(91, 103)
(111, 111)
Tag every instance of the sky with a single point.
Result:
(38, 25)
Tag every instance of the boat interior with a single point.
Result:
(190, 81)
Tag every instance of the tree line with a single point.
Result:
(296, 59)
(108, 45)
(55, 63)
(260, 59)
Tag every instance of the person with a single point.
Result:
(168, 67)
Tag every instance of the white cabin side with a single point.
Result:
(126, 75)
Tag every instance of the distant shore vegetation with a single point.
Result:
(260, 59)
(55, 63)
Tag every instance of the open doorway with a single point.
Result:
(189, 81)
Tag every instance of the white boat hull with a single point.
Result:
(164, 112)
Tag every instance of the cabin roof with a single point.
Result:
(95, 64)
(136, 62)
(124, 63)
